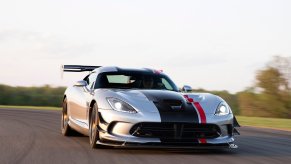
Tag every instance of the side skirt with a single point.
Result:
(79, 126)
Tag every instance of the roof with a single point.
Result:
(120, 69)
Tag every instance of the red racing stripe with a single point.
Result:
(201, 112)
(202, 140)
(197, 105)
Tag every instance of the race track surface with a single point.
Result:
(33, 136)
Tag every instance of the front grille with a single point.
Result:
(175, 131)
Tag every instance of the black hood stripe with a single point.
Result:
(186, 113)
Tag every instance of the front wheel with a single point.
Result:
(65, 127)
(93, 127)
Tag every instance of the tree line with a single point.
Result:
(31, 96)
(270, 96)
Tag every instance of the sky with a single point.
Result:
(210, 44)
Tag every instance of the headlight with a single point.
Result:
(120, 105)
(223, 109)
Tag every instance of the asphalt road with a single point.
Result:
(33, 136)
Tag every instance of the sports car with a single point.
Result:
(124, 107)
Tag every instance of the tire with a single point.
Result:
(65, 127)
(93, 127)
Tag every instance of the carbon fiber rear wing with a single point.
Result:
(78, 68)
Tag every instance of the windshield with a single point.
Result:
(135, 80)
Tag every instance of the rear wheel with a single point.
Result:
(93, 127)
(66, 129)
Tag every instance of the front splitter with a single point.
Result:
(152, 145)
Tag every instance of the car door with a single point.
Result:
(81, 103)
(89, 93)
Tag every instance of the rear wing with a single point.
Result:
(78, 68)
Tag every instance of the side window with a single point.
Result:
(91, 80)
(86, 79)
(167, 84)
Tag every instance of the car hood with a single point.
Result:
(146, 100)
(150, 95)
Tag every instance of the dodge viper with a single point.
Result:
(122, 107)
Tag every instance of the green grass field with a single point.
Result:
(30, 107)
(275, 123)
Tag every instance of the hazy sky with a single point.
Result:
(211, 44)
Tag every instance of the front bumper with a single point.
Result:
(116, 130)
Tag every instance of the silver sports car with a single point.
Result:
(144, 108)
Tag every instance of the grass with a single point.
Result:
(30, 107)
(274, 123)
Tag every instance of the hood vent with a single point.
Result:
(173, 102)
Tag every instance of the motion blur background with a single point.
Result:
(238, 49)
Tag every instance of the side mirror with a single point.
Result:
(186, 88)
(81, 83)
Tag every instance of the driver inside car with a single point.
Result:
(148, 82)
